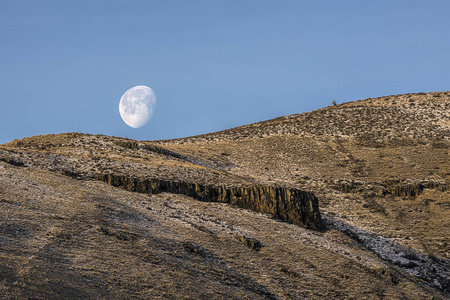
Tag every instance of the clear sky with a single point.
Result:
(213, 64)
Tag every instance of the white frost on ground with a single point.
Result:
(434, 270)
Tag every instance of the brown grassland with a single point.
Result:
(380, 170)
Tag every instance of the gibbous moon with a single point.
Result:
(137, 105)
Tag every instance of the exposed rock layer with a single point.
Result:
(291, 205)
(396, 188)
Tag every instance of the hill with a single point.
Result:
(349, 201)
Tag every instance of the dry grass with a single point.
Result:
(352, 156)
(367, 144)
(64, 238)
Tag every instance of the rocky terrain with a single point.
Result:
(350, 201)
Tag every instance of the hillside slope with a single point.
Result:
(380, 164)
(378, 170)
(65, 238)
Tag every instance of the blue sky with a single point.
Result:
(213, 64)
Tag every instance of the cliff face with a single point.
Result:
(290, 205)
(396, 188)
(287, 204)
(413, 190)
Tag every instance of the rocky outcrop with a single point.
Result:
(413, 189)
(130, 144)
(252, 243)
(397, 188)
(290, 205)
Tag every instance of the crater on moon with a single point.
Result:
(137, 105)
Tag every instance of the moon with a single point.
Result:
(137, 105)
